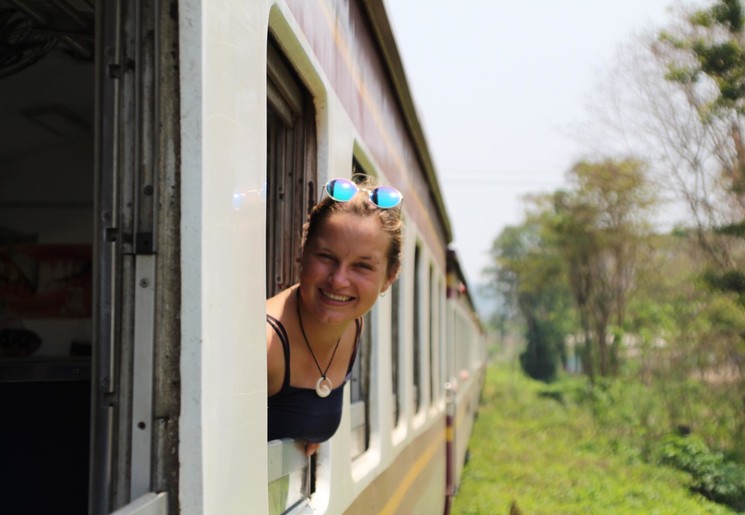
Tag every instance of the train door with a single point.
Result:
(83, 264)
(46, 235)
(137, 278)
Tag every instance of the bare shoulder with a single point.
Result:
(276, 305)
(275, 361)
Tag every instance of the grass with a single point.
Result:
(531, 454)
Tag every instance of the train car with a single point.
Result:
(157, 161)
(467, 360)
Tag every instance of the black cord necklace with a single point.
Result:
(324, 384)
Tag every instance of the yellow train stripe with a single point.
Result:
(416, 469)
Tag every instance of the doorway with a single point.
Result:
(46, 235)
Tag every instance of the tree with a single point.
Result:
(710, 49)
(684, 94)
(599, 226)
(578, 244)
(528, 274)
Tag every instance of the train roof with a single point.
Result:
(383, 32)
(458, 283)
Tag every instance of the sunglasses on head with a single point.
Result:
(384, 197)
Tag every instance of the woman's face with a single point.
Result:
(344, 267)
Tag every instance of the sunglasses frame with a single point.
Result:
(371, 193)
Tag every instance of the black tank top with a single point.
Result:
(299, 413)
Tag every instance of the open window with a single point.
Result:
(291, 191)
(433, 332)
(360, 387)
(46, 255)
(360, 382)
(396, 348)
(418, 336)
(291, 169)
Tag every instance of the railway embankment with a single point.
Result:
(535, 450)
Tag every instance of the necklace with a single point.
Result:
(324, 384)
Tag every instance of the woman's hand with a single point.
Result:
(311, 448)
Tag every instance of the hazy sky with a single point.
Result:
(498, 86)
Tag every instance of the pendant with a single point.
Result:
(323, 386)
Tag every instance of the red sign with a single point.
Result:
(45, 281)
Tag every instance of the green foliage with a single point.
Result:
(584, 265)
(636, 418)
(730, 280)
(636, 414)
(531, 279)
(542, 354)
(729, 14)
(712, 474)
(540, 456)
(598, 228)
(681, 74)
(736, 229)
(714, 43)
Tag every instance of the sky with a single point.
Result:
(498, 86)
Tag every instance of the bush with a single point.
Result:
(536, 450)
(542, 354)
(713, 476)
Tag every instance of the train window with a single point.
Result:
(441, 338)
(417, 329)
(291, 184)
(46, 255)
(451, 335)
(432, 332)
(288, 476)
(463, 359)
(360, 388)
(291, 169)
(396, 333)
(360, 380)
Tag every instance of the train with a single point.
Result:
(157, 161)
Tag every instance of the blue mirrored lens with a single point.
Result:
(386, 197)
(341, 190)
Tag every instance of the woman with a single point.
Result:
(351, 255)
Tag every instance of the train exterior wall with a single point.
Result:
(341, 39)
(223, 448)
(413, 482)
(207, 130)
(334, 46)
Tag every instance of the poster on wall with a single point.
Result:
(45, 281)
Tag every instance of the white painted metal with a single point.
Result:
(223, 450)
(149, 504)
(142, 384)
(225, 464)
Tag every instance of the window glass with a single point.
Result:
(396, 332)
(360, 381)
(291, 170)
(417, 328)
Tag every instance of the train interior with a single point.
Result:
(46, 235)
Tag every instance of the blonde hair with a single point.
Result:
(361, 205)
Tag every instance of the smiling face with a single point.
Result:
(345, 267)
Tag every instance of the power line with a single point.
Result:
(517, 181)
(482, 171)
(450, 174)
